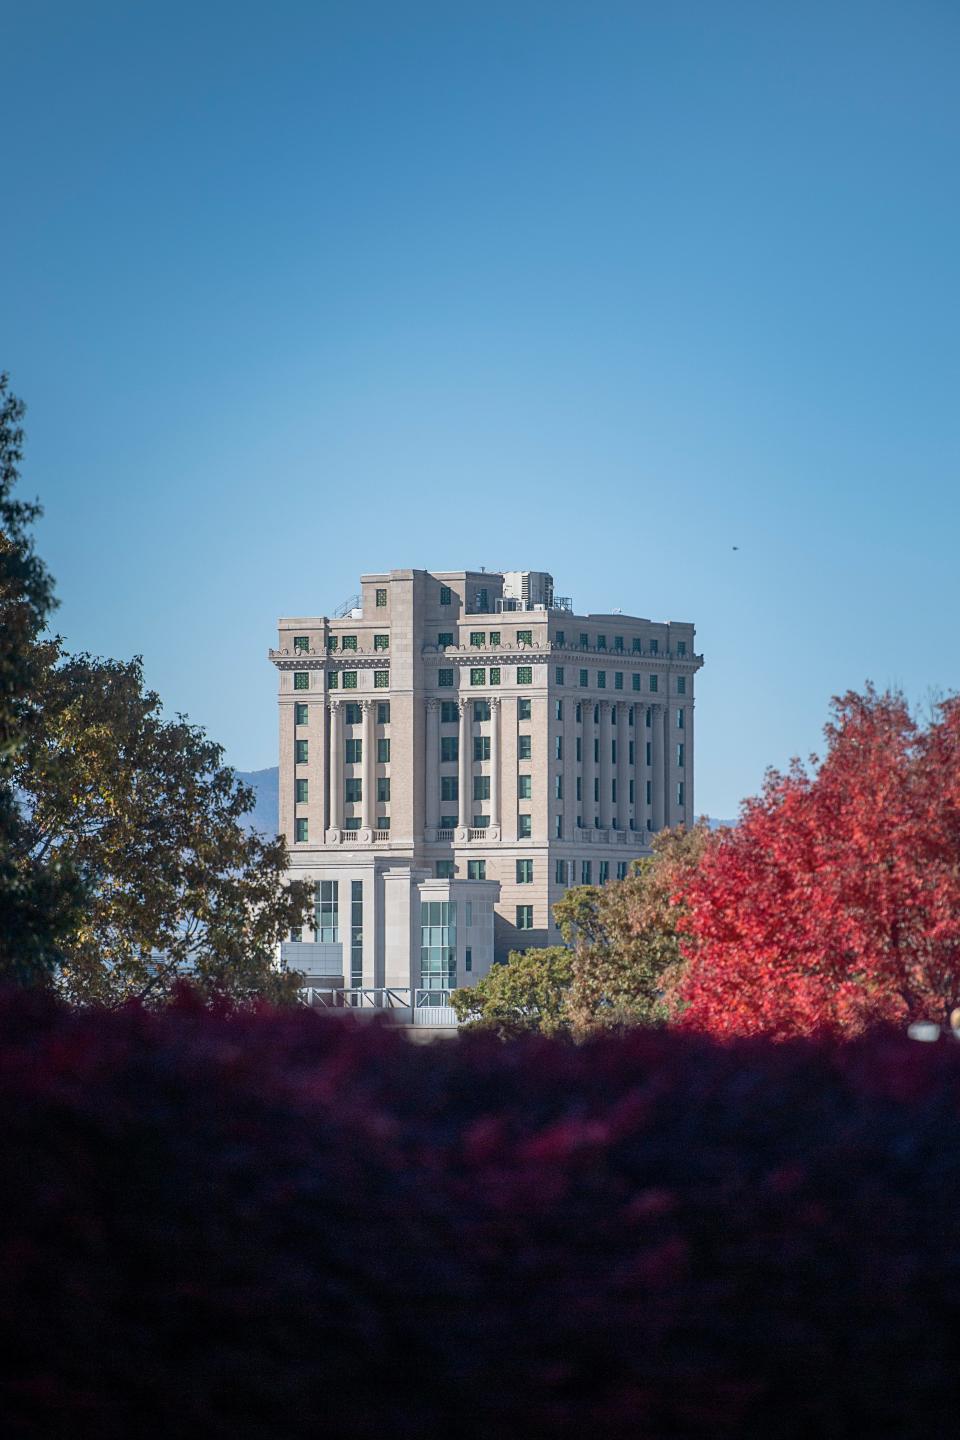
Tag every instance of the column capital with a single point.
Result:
(463, 702)
(433, 703)
(367, 705)
(494, 702)
(334, 705)
(605, 704)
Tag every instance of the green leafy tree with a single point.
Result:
(528, 993)
(39, 901)
(626, 948)
(124, 862)
(146, 812)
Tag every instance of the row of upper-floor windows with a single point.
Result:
(493, 675)
(341, 642)
(617, 645)
(352, 792)
(482, 639)
(342, 679)
(600, 680)
(564, 873)
(450, 715)
(450, 749)
(479, 676)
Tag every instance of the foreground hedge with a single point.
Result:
(286, 1225)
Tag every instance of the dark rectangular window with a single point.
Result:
(524, 827)
(383, 712)
(481, 787)
(301, 751)
(558, 674)
(356, 932)
(301, 832)
(449, 787)
(299, 714)
(481, 747)
(524, 872)
(476, 869)
(354, 752)
(445, 869)
(481, 711)
(524, 917)
(445, 679)
(523, 708)
(353, 790)
(302, 790)
(383, 752)
(449, 713)
(524, 747)
(352, 714)
(381, 599)
(445, 595)
(449, 748)
(383, 788)
(301, 680)
(584, 679)
(327, 912)
(301, 645)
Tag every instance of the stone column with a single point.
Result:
(432, 770)
(464, 770)
(604, 731)
(623, 765)
(658, 774)
(335, 769)
(687, 735)
(368, 771)
(587, 764)
(569, 768)
(495, 767)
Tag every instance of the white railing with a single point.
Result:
(422, 1007)
(380, 836)
(444, 834)
(478, 834)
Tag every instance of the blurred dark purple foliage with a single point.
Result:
(284, 1225)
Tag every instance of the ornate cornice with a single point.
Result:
(328, 662)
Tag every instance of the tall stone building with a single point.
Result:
(461, 746)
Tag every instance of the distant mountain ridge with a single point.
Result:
(265, 816)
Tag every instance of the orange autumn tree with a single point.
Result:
(834, 905)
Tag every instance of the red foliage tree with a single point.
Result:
(835, 903)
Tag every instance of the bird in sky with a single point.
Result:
(736, 547)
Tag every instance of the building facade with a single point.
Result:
(465, 734)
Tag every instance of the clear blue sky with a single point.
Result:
(295, 290)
